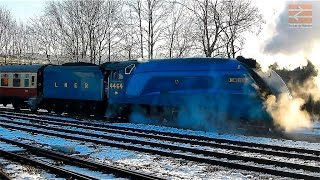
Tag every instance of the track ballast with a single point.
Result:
(198, 155)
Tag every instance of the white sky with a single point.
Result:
(23, 10)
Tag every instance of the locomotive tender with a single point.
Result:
(72, 88)
(220, 87)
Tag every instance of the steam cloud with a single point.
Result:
(288, 112)
(309, 88)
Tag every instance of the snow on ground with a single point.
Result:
(23, 172)
(88, 172)
(9, 147)
(206, 148)
(234, 137)
(161, 166)
(35, 116)
(314, 131)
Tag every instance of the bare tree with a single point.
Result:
(6, 27)
(88, 29)
(209, 24)
(132, 41)
(241, 17)
(64, 27)
(221, 23)
(105, 30)
(109, 29)
(178, 38)
(45, 35)
(151, 15)
(136, 17)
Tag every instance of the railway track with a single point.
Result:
(181, 138)
(189, 153)
(4, 176)
(18, 157)
(24, 157)
(82, 119)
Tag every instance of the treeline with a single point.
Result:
(106, 30)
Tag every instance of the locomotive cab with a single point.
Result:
(116, 74)
(116, 77)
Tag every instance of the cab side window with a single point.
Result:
(4, 80)
(115, 75)
(120, 75)
(16, 80)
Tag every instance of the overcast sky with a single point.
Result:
(254, 47)
(23, 10)
(306, 40)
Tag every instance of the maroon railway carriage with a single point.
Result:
(18, 84)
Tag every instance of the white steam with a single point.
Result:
(287, 111)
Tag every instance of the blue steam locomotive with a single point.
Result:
(188, 89)
(193, 90)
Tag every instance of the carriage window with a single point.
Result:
(4, 80)
(16, 80)
(26, 80)
(32, 81)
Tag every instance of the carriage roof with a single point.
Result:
(19, 68)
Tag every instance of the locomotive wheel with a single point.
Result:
(168, 115)
(49, 109)
(34, 110)
(16, 106)
(5, 104)
(59, 109)
(86, 110)
(99, 111)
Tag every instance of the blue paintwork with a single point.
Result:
(187, 81)
(59, 75)
(187, 64)
(160, 81)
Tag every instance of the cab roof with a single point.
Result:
(117, 65)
